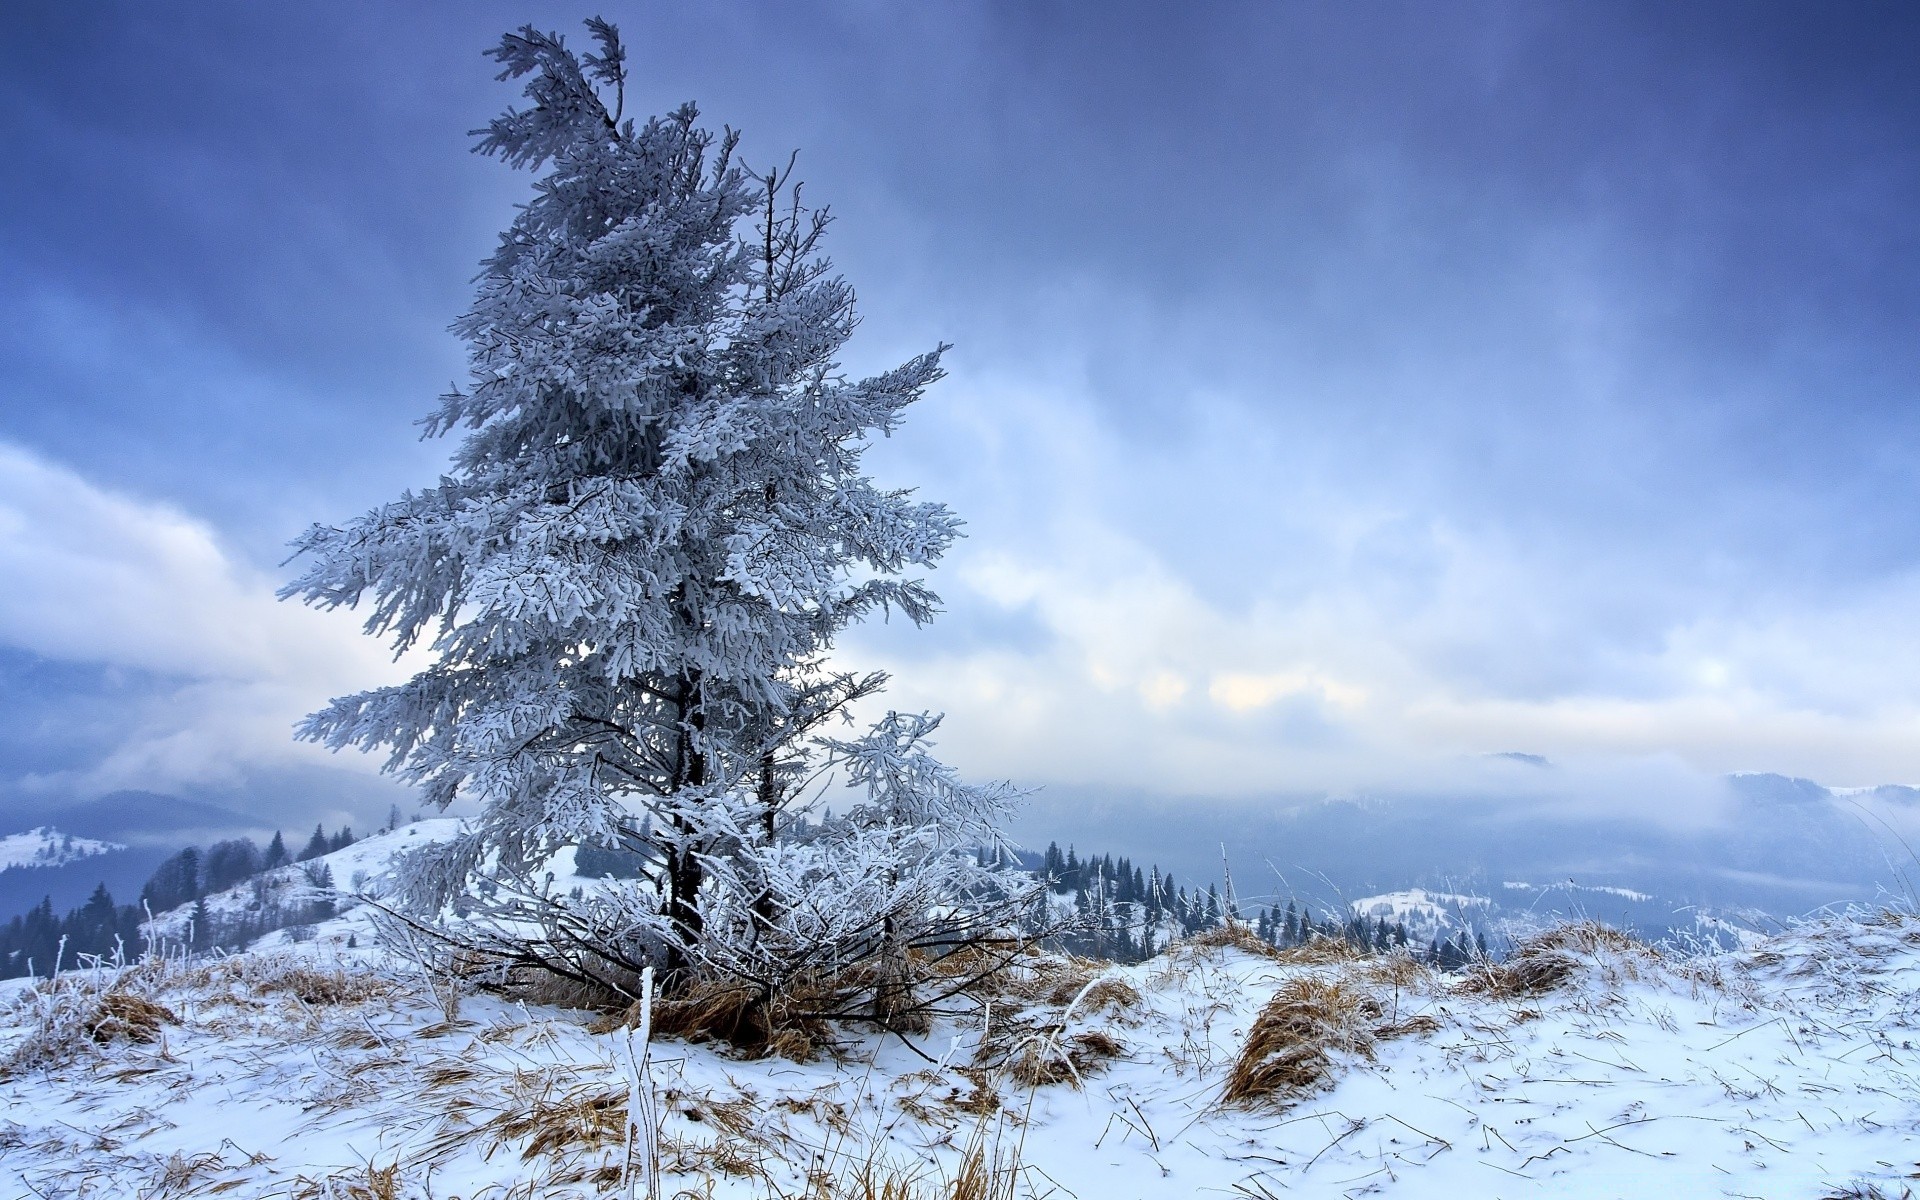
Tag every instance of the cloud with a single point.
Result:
(1390, 645)
(96, 577)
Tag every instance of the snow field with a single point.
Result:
(313, 1070)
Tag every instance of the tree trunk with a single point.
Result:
(769, 799)
(684, 873)
(893, 990)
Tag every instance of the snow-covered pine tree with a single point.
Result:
(650, 534)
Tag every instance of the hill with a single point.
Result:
(1585, 1065)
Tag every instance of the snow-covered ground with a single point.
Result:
(48, 847)
(1788, 1069)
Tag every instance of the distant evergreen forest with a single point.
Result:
(40, 941)
(1125, 914)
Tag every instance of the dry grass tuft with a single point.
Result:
(256, 975)
(365, 1183)
(983, 1100)
(1057, 981)
(738, 1016)
(312, 986)
(1399, 970)
(793, 1044)
(699, 1012)
(1868, 1190)
(989, 1169)
(1321, 951)
(84, 1011)
(123, 1016)
(1419, 1024)
(1289, 1050)
(983, 1175)
(1032, 976)
(1233, 936)
(1095, 1046)
(1547, 960)
(1035, 1053)
(1034, 1048)
(182, 1173)
(550, 1125)
(970, 962)
(1115, 994)
(1583, 937)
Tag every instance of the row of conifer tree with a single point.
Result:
(40, 941)
(1127, 913)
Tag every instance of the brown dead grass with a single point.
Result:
(1548, 960)
(1320, 951)
(968, 963)
(1106, 994)
(797, 1022)
(1025, 975)
(182, 1173)
(312, 986)
(1417, 1025)
(1039, 1052)
(1290, 1049)
(984, 1175)
(361, 1183)
(989, 1169)
(125, 1017)
(1041, 978)
(1397, 970)
(82, 1013)
(983, 1100)
(1027, 1035)
(1233, 936)
(550, 1124)
(739, 1017)
(257, 975)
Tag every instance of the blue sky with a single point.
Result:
(1341, 394)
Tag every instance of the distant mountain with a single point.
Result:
(1782, 847)
(116, 840)
(136, 818)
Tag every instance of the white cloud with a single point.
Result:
(96, 577)
(1382, 646)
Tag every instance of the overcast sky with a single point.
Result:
(1342, 393)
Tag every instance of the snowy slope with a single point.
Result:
(46, 846)
(1786, 1070)
(1427, 915)
(365, 867)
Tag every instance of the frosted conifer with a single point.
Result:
(654, 525)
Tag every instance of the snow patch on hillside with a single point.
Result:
(364, 869)
(46, 846)
(1571, 887)
(1427, 915)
